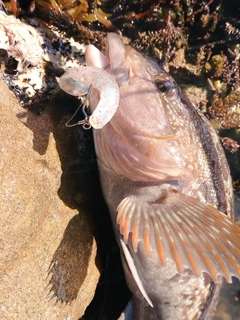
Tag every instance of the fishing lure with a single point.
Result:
(101, 88)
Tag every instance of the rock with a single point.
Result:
(47, 246)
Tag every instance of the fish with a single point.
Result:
(165, 180)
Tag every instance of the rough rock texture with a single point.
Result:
(47, 248)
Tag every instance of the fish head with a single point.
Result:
(145, 88)
(150, 123)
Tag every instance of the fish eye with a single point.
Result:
(165, 85)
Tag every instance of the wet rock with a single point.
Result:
(47, 247)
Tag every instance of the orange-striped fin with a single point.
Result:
(193, 234)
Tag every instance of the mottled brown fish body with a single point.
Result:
(161, 167)
(167, 185)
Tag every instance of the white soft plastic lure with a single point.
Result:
(104, 95)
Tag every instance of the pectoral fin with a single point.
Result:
(181, 228)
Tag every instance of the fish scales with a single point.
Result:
(167, 185)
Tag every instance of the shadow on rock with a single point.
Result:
(80, 189)
(70, 261)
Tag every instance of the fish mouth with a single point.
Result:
(113, 58)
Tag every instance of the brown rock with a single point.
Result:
(47, 248)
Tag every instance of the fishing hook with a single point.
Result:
(85, 122)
